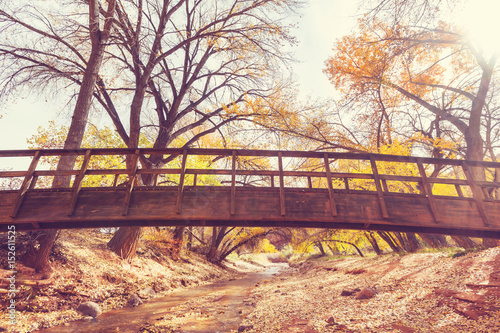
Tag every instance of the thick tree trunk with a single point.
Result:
(125, 242)
(218, 234)
(179, 239)
(213, 245)
(38, 257)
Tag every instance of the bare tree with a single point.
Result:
(175, 70)
(37, 255)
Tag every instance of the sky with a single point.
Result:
(320, 24)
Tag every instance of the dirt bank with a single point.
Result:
(427, 292)
(85, 270)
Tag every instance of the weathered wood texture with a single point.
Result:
(291, 203)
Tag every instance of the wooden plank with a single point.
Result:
(333, 206)
(282, 185)
(77, 184)
(26, 182)
(130, 185)
(233, 183)
(180, 188)
(427, 190)
(459, 191)
(476, 192)
(380, 193)
(309, 182)
(448, 181)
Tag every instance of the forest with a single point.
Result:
(409, 79)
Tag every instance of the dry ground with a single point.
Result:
(426, 292)
(85, 270)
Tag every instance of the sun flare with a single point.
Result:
(481, 21)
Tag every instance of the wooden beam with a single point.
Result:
(384, 185)
(77, 184)
(233, 183)
(282, 185)
(115, 180)
(477, 193)
(333, 206)
(346, 183)
(26, 182)
(246, 152)
(180, 188)
(380, 193)
(427, 190)
(33, 182)
(130, 185)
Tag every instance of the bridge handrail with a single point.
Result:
(242, 152)
(248, 152)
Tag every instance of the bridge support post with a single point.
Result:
(428, 190)
(130, 187)
(180, 190)
(477, 193)
(26, 182)
(380, 193)
(282, 184)
(333, 206)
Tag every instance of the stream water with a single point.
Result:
(224, 313)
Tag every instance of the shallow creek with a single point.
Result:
(223, 312)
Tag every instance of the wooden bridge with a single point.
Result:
(216, 187)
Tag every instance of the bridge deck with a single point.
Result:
(299, 189)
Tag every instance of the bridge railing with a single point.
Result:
(278, 170)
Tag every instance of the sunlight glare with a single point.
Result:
(481, 20)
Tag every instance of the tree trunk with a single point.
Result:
(38, 257)
(434, 240)
(489, 242)
(189, 244)
(178, 238)
(386, 236)
(373, 241)
(213, 245)
(464, 242)
(125, 241)
(321, 249)
(412, 241)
